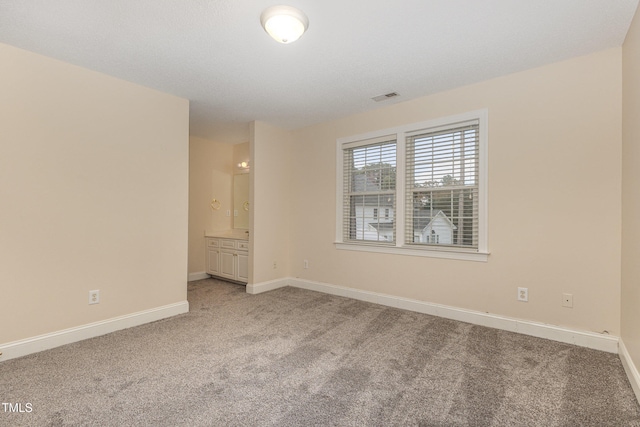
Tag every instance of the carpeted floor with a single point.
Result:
(293, 357)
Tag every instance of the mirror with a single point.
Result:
(241, 201)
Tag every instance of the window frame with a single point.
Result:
(481, 253)
(384, 143)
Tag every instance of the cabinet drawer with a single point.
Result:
(227, 244)
(243, 245)
(213, 243)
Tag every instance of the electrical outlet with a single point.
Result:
(567, 300)
(275, 265)
(306, 263)
(94, 297)
(523, 294)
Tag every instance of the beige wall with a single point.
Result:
(270, 197)
(93, 186)
(554, 199)
(630, 190)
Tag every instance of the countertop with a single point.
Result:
(228, 234)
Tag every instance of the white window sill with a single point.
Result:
(411, 251)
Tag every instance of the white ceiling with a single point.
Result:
(216, 54)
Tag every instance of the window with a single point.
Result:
(442, 186)
(430, 180)
(369, 185)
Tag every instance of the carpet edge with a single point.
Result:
(258, 288)
(50, 340)
(200, 275)
(630, 368)
(602, 342)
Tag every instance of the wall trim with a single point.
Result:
(630, 368)
(38, 343)
(587, 339)
(258, 288)
(197, 276)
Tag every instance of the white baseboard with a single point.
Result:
(630, 369)
(592, 340)
(197, 276)
(67, 336)
(258, 288)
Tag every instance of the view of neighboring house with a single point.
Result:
(374, 216)
(371, 210)
(435, 229)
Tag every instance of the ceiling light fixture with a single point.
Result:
(284, 23)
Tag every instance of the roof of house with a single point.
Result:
(419, 223)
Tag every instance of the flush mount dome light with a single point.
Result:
(284, 23)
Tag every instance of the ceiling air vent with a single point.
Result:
(385, 96)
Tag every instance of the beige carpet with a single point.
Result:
(293, 357)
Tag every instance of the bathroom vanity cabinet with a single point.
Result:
(228, 258)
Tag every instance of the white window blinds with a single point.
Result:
(441, 187)
(369, 185)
